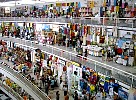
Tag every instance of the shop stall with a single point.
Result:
(93, 82)
(75, 78)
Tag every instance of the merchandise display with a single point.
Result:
(93, 83)
(95, 34)
(75, 76)
(89, 8)
(85, 39)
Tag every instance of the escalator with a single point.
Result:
(10, 92)
(30, 88)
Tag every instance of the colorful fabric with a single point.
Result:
(92, 88)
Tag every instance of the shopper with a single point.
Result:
(108, 55)
(46, 88)
(86, 53)
(76, 96)
(66, 97)
(25, 97)
(98, 96)
(57, 95)
(85, 97)
(52, 83)
(65, 90)
(40, 84)
(89, 96)
(103, 54)
(35, 69)
(43, 80)
(46, 79)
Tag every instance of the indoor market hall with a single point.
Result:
(68, 50)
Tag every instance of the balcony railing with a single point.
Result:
(107, 21)
(103, 68)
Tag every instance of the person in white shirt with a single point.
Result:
(108, 98)
(111, 93)
(98, 96)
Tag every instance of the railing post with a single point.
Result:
(132, 24)
(48, 19)
(84, 21)
(103, 21)
(91, 21)
(111, 72)
(132, 81)
(55, 19)
(70, 56)
(95, 67)
(52, 50)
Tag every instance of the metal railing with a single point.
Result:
(11, 91)
(40, 94)
(106, 21)
(103, 68)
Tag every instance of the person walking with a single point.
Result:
(52, 83)
(57, 95)
(103, 54)
(43, 80)
(65, 90)
(76, 96)
(35, 69)
(40, 84)
(67, 97)
(86, 53)
(46, 88)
